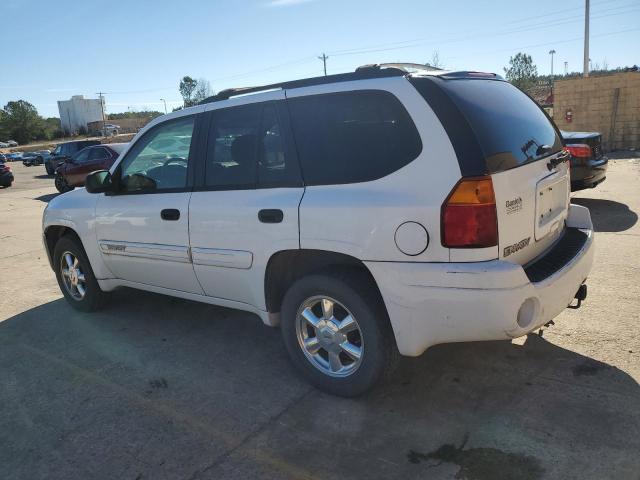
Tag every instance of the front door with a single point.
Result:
(142, 229)
(84, 163)
(246, 207)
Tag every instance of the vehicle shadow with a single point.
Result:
(43, 176)
(47, 197)
(157, 387)
(608, 215)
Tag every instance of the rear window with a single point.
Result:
(509, 128)
(351, 137)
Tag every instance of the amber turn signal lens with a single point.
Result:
(473, 191)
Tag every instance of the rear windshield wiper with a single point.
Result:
(554, 162)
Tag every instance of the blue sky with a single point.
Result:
(137, 51)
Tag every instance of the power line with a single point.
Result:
(536, 26)
(473, 37)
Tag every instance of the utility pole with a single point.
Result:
(585, 66)
(101, 97)
(324, 61)
(165, 105)
(552, 53)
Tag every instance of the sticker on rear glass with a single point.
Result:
(514, 205)
(516, 247)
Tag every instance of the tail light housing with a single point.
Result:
(579, 150)
(468, 216)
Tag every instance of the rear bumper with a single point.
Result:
(588, 175)
(432, 303)
(6, 178)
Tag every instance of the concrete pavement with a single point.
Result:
(161, 388)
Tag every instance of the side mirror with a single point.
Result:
(68, 160)
(99, 182)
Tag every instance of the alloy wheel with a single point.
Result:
(73, 277)
(329, 336)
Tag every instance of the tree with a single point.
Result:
(187, 88)
(203, 90)
(522, 72)
(21, 121)
(435, 61)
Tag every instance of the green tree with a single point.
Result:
(21, 121)
(187, 88)
(521, 72)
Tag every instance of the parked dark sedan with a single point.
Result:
(31, 159)
(74, 170)
(6, 177)
(588, 163)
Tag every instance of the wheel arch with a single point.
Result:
(287, 266)
(53, 233)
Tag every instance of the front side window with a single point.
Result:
(159, 160)
(351, 137)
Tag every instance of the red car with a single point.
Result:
(74, 170)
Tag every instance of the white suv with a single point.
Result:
(368, 214)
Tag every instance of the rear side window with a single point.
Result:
(98, 154)
(246, 149)
(509, 128)
(351, 137)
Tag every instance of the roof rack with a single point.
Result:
(363, 72)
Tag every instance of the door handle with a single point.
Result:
(170, 214)
(270, 215)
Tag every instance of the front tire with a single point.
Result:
(75, 276)
(337, 332)
(61, 184)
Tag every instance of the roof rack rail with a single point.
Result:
(361, 73)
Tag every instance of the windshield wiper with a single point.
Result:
(554, 162)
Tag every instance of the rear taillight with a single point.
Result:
(579, 150)
(469, 218)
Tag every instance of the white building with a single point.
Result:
(79, 111)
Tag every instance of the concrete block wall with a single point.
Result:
(591, 100)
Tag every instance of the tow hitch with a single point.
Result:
(581, 294)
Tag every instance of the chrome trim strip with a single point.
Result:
(218, 257)
(153, 251)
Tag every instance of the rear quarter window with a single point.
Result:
(351, 137)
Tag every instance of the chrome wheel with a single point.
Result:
(72, 276)
(329, 336)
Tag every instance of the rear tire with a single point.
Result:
(75, 276)
(327, 357)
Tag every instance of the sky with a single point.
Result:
(137, 51)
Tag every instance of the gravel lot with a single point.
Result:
(161, 388)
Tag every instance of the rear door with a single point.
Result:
(245, 205)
